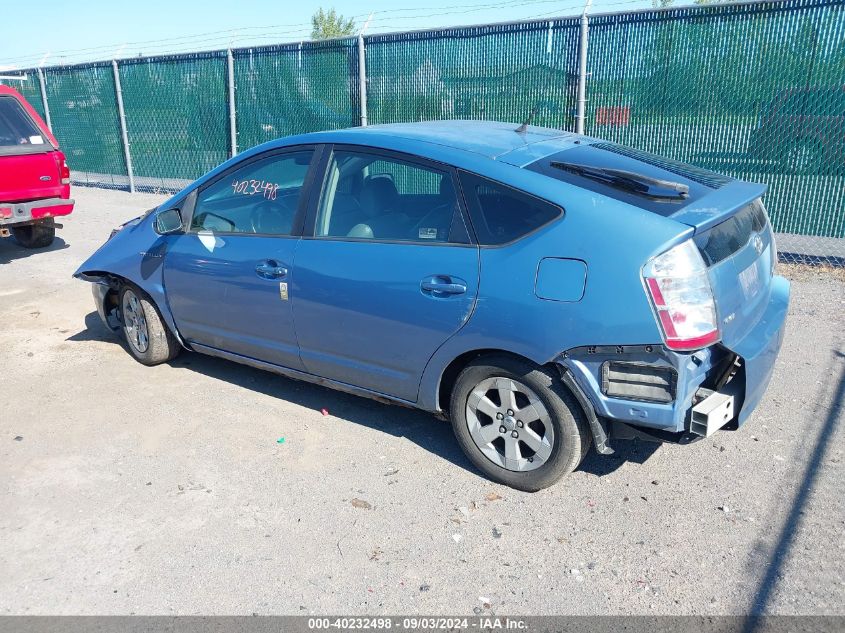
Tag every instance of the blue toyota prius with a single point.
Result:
(544, 291)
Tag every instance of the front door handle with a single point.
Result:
(271, 269)
(443, 286)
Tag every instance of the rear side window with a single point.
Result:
(16, 128)
(501, 214)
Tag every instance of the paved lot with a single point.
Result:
(128, 489)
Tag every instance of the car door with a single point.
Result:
(227, 276)
(385, 272)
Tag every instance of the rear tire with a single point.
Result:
(545, 433)
(36, 235)
(148, 338)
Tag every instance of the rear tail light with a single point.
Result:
(680, 292)
(64, 170)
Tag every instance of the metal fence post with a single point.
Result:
(118, 91)
(362, 80)
(582, 71)
(43, 84)
(233, 121)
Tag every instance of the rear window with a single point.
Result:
(17, 129)
(603, 155)
(728, 237)
(501, 214)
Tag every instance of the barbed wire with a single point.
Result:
(234, 37)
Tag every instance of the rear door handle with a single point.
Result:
(443, 286)
(270, 269)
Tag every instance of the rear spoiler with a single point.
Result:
(716, 207)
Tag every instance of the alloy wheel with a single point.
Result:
(510, 424)
(135, 322)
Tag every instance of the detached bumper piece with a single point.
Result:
(23, 212)
(597, 427)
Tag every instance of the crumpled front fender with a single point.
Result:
(135, 253)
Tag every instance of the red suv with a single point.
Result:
(34, 176)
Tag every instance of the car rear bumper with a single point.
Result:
(23, 212)
(751, 362)
(760, 347)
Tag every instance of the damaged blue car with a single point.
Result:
(544, 291)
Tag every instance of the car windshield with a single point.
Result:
(16, 127)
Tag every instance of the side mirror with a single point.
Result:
(169, 221)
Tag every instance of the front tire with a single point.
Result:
(148, 338)
(36, 235)
(517, 423)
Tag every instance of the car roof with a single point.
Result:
(489, 148)
(491, 139)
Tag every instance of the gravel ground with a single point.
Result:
(163, 490)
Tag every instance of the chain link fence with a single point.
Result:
(753, 90)
(85, 120)
(498, 72)
(295, 88)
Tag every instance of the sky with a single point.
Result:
(62, 32)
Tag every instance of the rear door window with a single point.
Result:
(501, 214)
(17, 129)
(386, 198)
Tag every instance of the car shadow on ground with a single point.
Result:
(95, 331)
(11, 250)
(419, 427)
(635, 451)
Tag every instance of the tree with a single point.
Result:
(326, 24)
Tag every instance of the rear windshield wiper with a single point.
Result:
(654, 188)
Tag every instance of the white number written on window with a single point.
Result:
(255, 187)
